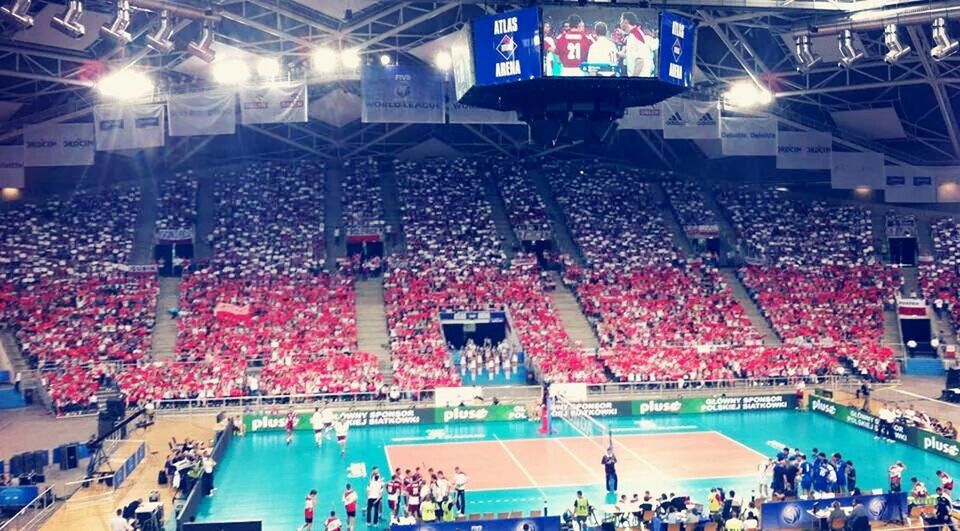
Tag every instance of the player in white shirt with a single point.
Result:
(460, 485)
(316, 420)
(327, 416)
(639, 47)
(765, 468)
(341, 428)
(603, 51)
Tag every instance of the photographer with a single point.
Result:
(581, 510)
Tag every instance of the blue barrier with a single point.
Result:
(4, 377)
(803, 513)
(17, 498)
(539, 523)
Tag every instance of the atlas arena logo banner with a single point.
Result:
(59, 145)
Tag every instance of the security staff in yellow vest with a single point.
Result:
(428, 510)
(581, 510)
(449, 510)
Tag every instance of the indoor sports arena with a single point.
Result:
(565, 265)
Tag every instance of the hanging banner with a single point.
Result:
(691, 119)
(466, 114)
(803, 150)
(642, 117)
(203, 113)
(273, 104)
(911, 184)
(11, 167)
(677, 49)
(749, 137)
(849, 170)
(119, 127)
(52, 144)
(402, 94)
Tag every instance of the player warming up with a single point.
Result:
(341, 427)
(290, 424)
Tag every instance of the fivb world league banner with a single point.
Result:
(128, 126)
(749, 137)
(402, 94)
(273, 104)
(677, 49)
(203, 113)
(11, 167)
(804, 150)
(52, 144)
(690, 119)
(506, 47)
(922, 439)
(802, 514)
(540, 523)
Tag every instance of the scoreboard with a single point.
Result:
(506, 47)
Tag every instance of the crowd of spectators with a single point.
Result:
(940, 278)
(525, 207)
(687, 202)
(361, 198)
(177, 202)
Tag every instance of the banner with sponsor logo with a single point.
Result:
(539, 523)
(749, 137)
(402, 94)
(52, 144)
(690, 119)
(203, 113)
(255, 422)
(642, 117)
(686, 406)
(922, 439)
(466, 114)
(120, 127)
(500, 412)
(910, 184)
(273, 104)
(11, 167)
(849, 170)
(803, 514)
(804, 150)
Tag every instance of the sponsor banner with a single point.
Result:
(619, 408)
(448, 415)
(472, 317)
(718, 404)
(690, 119)
(466, 114)
(849, 170)
(506, 47)
(384, 417)
(911, 184)
(911, 308)
(402, 94)
(677, 49)
(802, 514)
(174, 236)
(702, 231)
(749, 137)
(52, 144)
(11, 167)
(540, 523)
(118, 127)
(642, 118)
(804, 151)
(203, 113)
(273, 104)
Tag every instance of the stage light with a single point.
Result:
(230, 72)
(118, 28)
(125, 85)
(945, 45)
(324, 60)
(19, 12)
(385, 60)
(848, 54)
(747, 94)
(202, 49)
(161, 40)
(892, 40)
(268, 67)
(443, 61)
(350, 58)
(69, 22)
(805, 54)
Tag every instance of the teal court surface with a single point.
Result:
(512, 467)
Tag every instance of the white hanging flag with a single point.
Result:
(804, 150)
(642, 117)
(203, 113)
(11, 167)
(273, 104)
(749, 137)
(687, 119)
(849, 170)
(57, 144)
(119, 127)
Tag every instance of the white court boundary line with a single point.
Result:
(927, 398)
(591, 470)
(738, 443)
(520, 466)
(550, 438)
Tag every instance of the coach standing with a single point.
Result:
(609, 462)
(374, 497)
(460, 485)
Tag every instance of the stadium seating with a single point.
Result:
(525, 208)
(688, 204)
(361, 198)
(177, 202)
(939, 279)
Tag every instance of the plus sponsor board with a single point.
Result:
(714, 404)
(256, 422)
(622, 408)
(448, 415)
(922, 439)
(506, 47)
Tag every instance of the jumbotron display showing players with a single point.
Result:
(598, 42)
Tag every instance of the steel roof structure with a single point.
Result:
(45, 76)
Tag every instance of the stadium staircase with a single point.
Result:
(892, 335)
(679, 236)
(11, 350)
(757, 319)
(562, 238)
(509, 240)
(332, 220)
(571, 315)
(392, 215)
(878, 219)
(163, 339)
(206, 204)
(372, 324)
(143, 237)
(728, 235)
(924, 235)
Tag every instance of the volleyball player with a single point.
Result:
(316, 421)
(393, 494)
(350, 506)
(327, 417)
(309, 505)
(291, 423)
(341, 427)
(333, 523)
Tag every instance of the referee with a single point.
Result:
(609, 462)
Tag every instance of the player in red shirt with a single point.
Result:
(350, 505)
(333, 523)
(308, 508)
(393, 493)
(291, 423)
(572, 47)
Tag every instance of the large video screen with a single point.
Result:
(506, 47)
(596, 41)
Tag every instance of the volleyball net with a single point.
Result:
(576, 416)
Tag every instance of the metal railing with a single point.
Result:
(34, 514)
